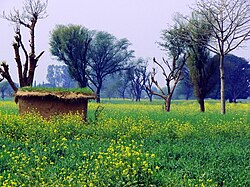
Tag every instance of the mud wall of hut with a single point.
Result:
(51, 106)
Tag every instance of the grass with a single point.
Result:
(43, 89)
(128, 144)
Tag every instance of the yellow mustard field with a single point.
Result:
(126, 143)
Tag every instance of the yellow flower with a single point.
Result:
(157, 167)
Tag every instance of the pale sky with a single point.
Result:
(140, 21)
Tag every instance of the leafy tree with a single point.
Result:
(202, 73)
(229, 21)
(201, 69)
(33, 10)
(58, 76)
(108, 55)
(70, 44)
(237, 77)
(138, 77)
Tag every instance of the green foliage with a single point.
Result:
(107, 55)
(70, 45)
(131, 144)
(43, 89)
(237, 78)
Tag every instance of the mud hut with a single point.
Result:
(49, 102)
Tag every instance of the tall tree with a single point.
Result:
(138, 77)
(200, 67)
(70, 44)
(108, 55)
(230, 24)
(202, 71)
(33, 10)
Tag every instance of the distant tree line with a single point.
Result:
(127, 84)
(123, 84)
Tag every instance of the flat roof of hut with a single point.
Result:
(75, 96)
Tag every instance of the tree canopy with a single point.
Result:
(237, 80)
(107, 55)
(70, 44)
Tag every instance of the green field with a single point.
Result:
(127, 144)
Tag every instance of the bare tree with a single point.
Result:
(172, 78)
(174, 44)
(32, 11)
(229, 21)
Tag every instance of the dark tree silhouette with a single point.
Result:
(237, 72)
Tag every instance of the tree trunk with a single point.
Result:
(202, 105)
(222, 86)
(137, 99)
(98, 91)
(137, 96)
(168, 103)
(150, 98)
(2, 95)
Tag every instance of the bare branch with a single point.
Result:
(163, 70)
(39, 56)
(4, 71)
